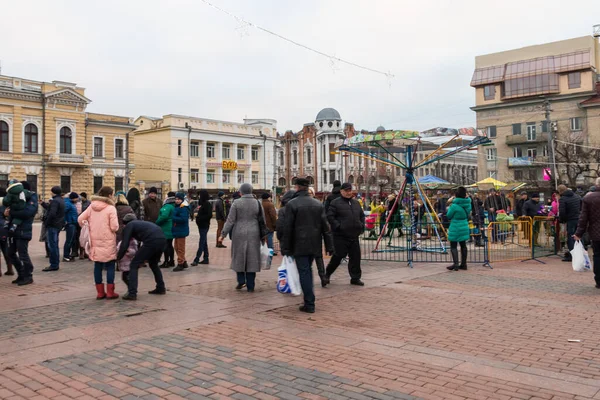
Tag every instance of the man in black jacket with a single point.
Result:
(303, 233)
(347, 221)
(520, 204)
(569, 208)
(221, 216)
(152, 242)
(335, 194)
(531, 209)
(55, 221)
(18, 244)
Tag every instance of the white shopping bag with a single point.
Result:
(581, 259)
(264, 256)
(289, 279)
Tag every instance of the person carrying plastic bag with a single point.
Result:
(580, 258)
(288, 280)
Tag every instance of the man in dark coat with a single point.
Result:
(569, 208)
(221, 211)
(531, 209)
(589, 221)
(347, 221)
(335, 193)
(18, 246)
(304, 230)
(520, 204)
(152, 243)
(492, 204)
(55, 221)
(152, 205)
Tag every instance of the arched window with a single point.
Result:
(351, 179)
(65, 140)
(294, 180)
(360, 180)
(4, 136)
(295, 157)
(31, 139)
(281, 181)
(311, 180)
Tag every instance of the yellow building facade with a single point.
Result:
(48, 139)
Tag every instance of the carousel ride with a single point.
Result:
(399, 149)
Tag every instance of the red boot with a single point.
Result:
(110, 291)
(100, 290)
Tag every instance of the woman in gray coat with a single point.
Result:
(243, 223)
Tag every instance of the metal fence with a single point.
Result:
(545, 237)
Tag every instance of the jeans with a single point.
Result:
(52, 238)
(304, 265)
(110, 272)
(71, 230)
(202, 245)
(346, 247)
(247, 278)
(18, 253)
(571, 228)
(596, 247)
(148, 251)
(270, 246)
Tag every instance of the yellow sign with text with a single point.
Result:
(231, 165)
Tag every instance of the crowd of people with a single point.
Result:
(121, 232)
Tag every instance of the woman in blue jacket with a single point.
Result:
(181, 229)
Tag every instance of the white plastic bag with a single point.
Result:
(581, 259)
(264, 256)
(289, 279)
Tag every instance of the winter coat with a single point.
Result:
(3, 229)
(458, 214)
(286, 198)
(519, 207)
(122, 211)
(220, 209)
(70, 212)
(569, 206)
(151, 208)
(346, 218)
(181, 220)
(16, 197)
(589, 220)
(104, 224)
(125, 262)
(165, 217)
(304, 227)
(204, 215)
(531, 208)
(55, 218)
(24, 231)
(84, 205)
(145, 233)
(270, 214)
(335, 193)
(138, 209)
(495, 203)
(245, 245)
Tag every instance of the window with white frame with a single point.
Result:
(30, 144)
(491, 154)
(518, 152)
(492, 173)
(576, 124)
(194, 176)
(98, 147)
(194, 149)
(226, 176)
(65, 140)
(179, 174)
(226, 152)
(532, 152)
(210, 150)
(531, 131)
(119, 148)
(309, 155)
(491, 132)
(241, 154)
(254, 153)
(4, 136)
(210, 176)
(241, 175)
(255, 177)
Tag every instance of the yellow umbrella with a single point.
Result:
(489, 181)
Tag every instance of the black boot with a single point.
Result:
(164, 265)
(463, 257)
(321, 270)
(454, 266)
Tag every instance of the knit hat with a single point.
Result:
(13, 181)
(153, 190)
(246, 188)
(83, 194)
(73, 195)
(302, 182)
(129, 217)
(346, 186)
(56, 190)
(534, 195)
(265, 195)
(171, 194)
(221, 193)
(26, 185)
(180, 196)
(337, 183)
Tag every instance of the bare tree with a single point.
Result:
(575, 162)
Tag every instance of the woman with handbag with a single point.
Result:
(246, 221)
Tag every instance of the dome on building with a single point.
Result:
(380, 129)
(328, 114)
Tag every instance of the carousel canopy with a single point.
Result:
(430, 179)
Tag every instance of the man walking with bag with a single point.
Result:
(589, 222)
(347, 221)
(304, 230)
(569, 207)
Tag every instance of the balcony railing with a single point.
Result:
(541, 137)
(57, 158)
(519, 162)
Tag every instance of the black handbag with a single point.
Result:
(262, 225)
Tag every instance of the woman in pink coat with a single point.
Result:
(101, 216)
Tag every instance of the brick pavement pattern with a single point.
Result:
(410, 333)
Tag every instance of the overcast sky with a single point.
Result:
(184, 57)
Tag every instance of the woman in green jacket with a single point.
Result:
(459, 232)
(165, 221)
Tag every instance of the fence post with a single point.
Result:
(486, 256)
